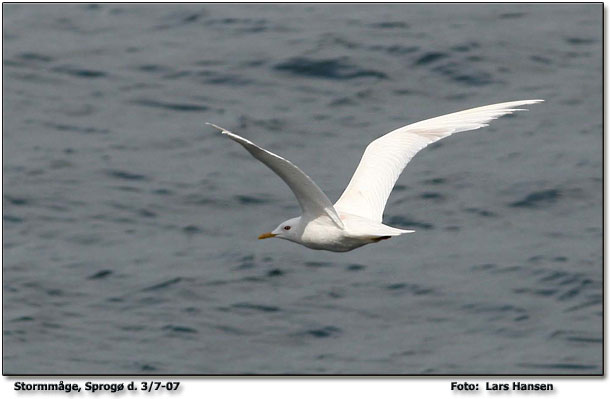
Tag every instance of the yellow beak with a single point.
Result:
(266, 235)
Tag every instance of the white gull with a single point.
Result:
(355, 219)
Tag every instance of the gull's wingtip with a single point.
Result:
(222, 129)
(216, 126)
(518, 103)
(528, 102)
(524, 102)
(535, 101)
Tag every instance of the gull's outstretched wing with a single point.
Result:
(385, 158)
(312, 199)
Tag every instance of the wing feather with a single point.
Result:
(311, 198)
(386, 157)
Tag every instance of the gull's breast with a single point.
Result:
(319, 234)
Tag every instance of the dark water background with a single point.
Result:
(129, 227)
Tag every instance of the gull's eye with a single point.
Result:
(286, 227)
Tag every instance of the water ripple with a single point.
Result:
(327, 69)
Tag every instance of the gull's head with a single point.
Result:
(288, 230)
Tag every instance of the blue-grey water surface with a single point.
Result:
(129, 226)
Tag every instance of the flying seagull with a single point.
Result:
(355, 219)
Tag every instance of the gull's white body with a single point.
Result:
(322, 233)
(355, 219)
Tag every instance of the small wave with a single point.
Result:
(459, 74)
(35, 57)
(541, 60)
(100, 275)
(497, 311)
(318, 264)
(512, 15)
(249, 200)
(429, 58)
(182, 107)
(579, 41)
(435, 181)
(147, 367)
(576, 336)
(432, 196)
(453, 63)
(229, 329)
(121, 174)
(326, 69)
(246, 262)
(179, 329)
(77, 129)
(146, 213)
(127, 189)
(12, 219)
(355, 267)
(228, 79)
(275, 273)
(191, 230)
(19, 201)
(496, 269)
(181, 19)
(273, 124)
(560, 366)
(163, 285)
(80, 72)
(324, 332)
(481, 212)
(162, 191)
(390, 25)
(538, 199)
(23, 318)
(568, 287)
(153, 68)
(465, 47)
(245, 25)
(414, 289)
(397, 49)
(342, 101)
(255, 306)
